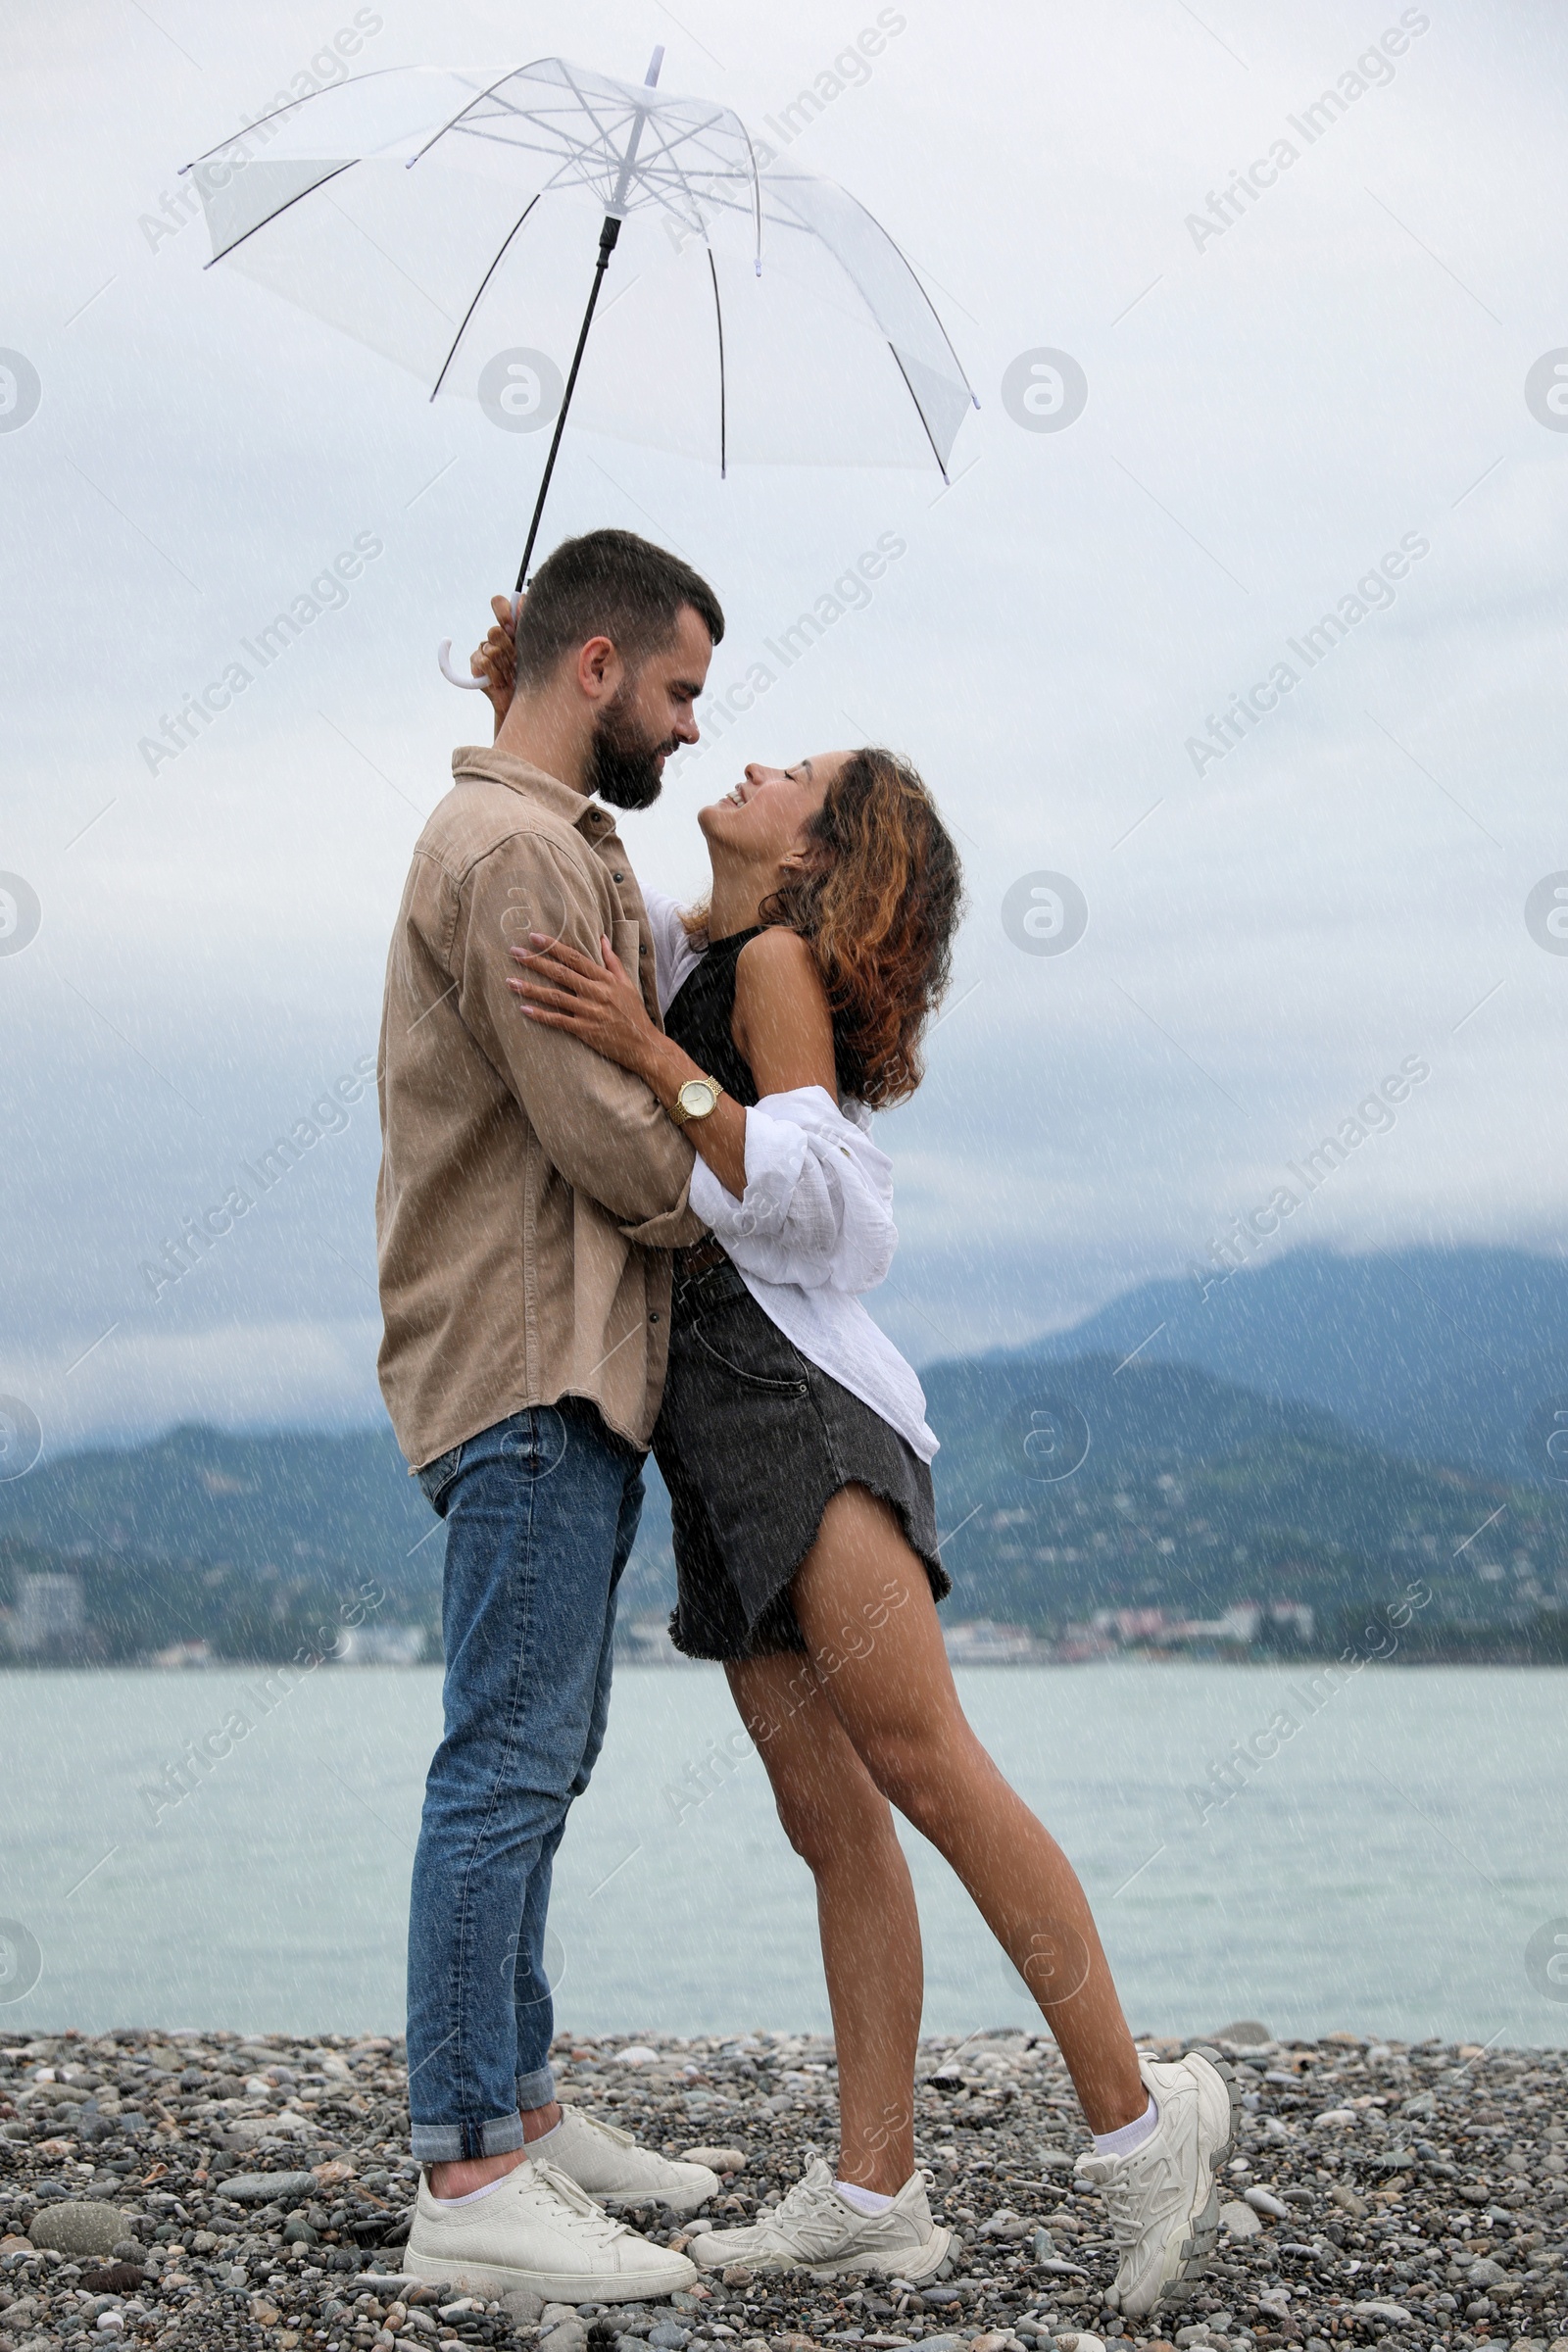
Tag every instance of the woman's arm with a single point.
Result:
(817, 1210)
(602, 1004)
(783, 1027)
(801, 1195)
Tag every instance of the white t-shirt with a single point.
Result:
(815, 1227)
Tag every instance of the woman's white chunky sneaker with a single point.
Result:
(817, 2230)
(1161, 2202)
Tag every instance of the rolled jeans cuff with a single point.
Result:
(537, 2089)
(453, 2144)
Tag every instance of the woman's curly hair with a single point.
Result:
(878, 906)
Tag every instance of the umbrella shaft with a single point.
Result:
(607, 246)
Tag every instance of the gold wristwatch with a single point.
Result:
(698, 1098)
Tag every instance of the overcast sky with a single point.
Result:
(1329, 383)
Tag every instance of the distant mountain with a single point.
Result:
(302, 1502)
(1092, 1483)
(1321, 1432)
(251, 1543)
(1447, 1355)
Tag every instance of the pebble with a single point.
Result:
(266, 2188)
(1263, 2200)
(1440, 2195)
(79, 2227)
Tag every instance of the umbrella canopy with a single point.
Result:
(447, 218)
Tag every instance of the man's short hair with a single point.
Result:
(608, 584)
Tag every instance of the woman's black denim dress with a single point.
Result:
(752, 1440)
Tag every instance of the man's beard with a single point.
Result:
(622, 766)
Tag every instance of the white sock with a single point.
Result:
(1131, 2136)
(474, 2195)
(865, 2200)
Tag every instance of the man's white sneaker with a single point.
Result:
(817, 2230)
(538, 2229)
(1161, 2202)
(610, 2166)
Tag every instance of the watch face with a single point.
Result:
(697, 1097)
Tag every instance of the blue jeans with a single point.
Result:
(540, 1511)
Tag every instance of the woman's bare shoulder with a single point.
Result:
(778, 970)
(778, 955)
(782, 1018)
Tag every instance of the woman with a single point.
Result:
(792, 1438)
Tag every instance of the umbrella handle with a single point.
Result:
(444, 657)
(455, 677)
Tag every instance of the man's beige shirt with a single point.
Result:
(530, 1191)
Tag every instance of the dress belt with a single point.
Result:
(697, 1258)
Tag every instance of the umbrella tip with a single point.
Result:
(651, 79)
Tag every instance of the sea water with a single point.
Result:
(1383, 1869)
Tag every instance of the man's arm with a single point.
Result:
(599, 1125)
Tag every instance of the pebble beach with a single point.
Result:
(211, 2190)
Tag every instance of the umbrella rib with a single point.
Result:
(374, 75)
(562, 144)
(284, 208)
(601, 130)
(603, 148)
(477, 99)
(756, 193)
(718, 312)
(664, 161)
(567, 144)
(919, 411)
(659, 168)
(557, 148)
(483, 282)
(924, 297)
(558, 152)
(583, 158)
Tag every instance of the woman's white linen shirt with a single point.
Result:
(815, 1227)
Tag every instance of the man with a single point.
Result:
(530, 1192)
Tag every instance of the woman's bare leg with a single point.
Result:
(842, 1826)
(864, 1602)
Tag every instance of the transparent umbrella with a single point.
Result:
(447, 218)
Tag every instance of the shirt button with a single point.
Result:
(653, 1318)
(617, 877)
(642, 951)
